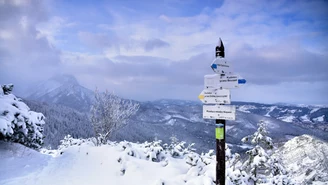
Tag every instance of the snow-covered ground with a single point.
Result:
(81, 162)
(271, 109)
(117, 164)
(305, 118)
(288, 119)
(320, 118)
(244, 108)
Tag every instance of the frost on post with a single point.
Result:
(110, 113)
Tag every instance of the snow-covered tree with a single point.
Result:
(17, 122)
(109, 113)
(260, 137)
(261, 166)
(234, 172)
(257, 164)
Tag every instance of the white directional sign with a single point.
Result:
(221, 66)
(215, 96)
(225, 112)
(217, 81)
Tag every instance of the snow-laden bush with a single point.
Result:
(234, 172)
(178, 149)
(17, 122)
(154, 150)
(70, 141)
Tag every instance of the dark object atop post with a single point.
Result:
(219, 49)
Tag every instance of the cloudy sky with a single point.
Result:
(148, 50)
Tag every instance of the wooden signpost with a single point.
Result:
(216, 97)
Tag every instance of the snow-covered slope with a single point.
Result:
(18, 160)
(79, 162)
(305, 116)
(306, 158)
(64, 90)
(114, 164)
(297, 113)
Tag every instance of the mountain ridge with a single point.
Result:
(64, 90)
(183, 118)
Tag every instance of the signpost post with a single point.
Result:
(214, 96)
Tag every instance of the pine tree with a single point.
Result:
(257, 165)
(261, 165)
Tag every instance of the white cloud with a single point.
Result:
(51, 29)
(269, 43)
(6, 35)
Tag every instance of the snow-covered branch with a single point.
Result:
(17, 122)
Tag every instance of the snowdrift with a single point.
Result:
(124, 163)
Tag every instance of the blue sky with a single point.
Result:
(148, 50)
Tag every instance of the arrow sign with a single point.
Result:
(221, 66)
(215, 96)
(217, 81)
(225, 112)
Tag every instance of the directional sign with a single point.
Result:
(221, 66)
(217, 81)
(215, 96)
(224, 112)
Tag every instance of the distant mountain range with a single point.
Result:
(162, 119)
(183, 119)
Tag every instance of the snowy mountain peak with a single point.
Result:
(65, 79)
(64, 90)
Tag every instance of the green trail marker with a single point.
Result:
(219, 132)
